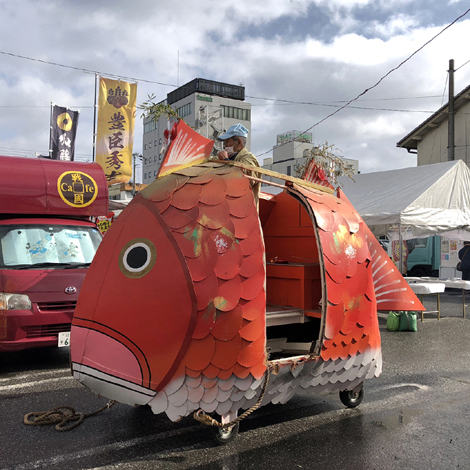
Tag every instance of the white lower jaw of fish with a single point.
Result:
(184, 395)
(112, 387)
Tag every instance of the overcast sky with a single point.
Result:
(319, 52)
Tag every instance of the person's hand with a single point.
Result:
(223, 155)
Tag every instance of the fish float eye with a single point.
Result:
(137, 258)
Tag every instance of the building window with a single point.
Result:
(145, 175)
(145, 147)
(288, 170)
(150, 145)
(155, 173)
(237, 113)
(160, 142)
(150, 126)
(145, 160)
(155, 158)
(184, 111)
(155, 143)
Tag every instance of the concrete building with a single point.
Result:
(430, 139)
(290, 152)
(207, 106)
(121, 194)
(123, 191)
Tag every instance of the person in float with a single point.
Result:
(235, 149)
(464, 257)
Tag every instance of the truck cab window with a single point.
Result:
(416, 243)
(29, 245)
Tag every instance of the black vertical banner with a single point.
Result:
(64, 124)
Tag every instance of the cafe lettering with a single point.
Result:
(77, 189)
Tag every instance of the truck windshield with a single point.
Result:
(51, 246)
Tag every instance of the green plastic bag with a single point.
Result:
(408, 321)
(393, 321)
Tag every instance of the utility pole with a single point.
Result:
(135, 156)
(451, 137)
(95, 108)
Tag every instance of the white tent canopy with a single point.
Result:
(425, 200)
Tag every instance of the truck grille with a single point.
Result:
(48, 307)
(39, 331)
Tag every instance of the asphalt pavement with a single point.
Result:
(416, 415)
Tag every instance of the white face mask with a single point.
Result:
(229, 149)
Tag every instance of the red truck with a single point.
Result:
(47, 242)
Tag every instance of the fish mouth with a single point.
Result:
(111, 386)
(106, 366)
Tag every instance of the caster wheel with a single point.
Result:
(350, 398)
(222, 436)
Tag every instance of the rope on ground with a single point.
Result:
(60, 416)
(203, 418)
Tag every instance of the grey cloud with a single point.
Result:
(268, 52)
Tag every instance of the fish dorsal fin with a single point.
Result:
(186, 148)
(392, 292)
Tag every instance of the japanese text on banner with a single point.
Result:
(64, 124)
(115, 132)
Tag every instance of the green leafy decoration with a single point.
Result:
(153, 110)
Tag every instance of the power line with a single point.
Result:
(43, 106)
(461, 65)
(340, 101)
(290, 102)
(442, 102)
(360, 107)
(84, 70)
(339, 108)
(381, 79)
(330, 105)
(283, 103)
(395, 99)
(80, 69)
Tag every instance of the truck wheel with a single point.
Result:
(222, 436)
(350, 398)
(418, 272)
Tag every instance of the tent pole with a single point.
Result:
(400, 249)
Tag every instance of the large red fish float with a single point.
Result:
(195, 302)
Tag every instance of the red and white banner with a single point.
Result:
(316, 174)
(186, 148)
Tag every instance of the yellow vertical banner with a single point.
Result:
(115, 131)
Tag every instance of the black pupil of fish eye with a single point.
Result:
(137, 257)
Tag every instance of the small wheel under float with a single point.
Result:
(223, 436)
(220, 434)
(352, 398)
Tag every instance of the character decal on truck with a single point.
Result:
(77, 189)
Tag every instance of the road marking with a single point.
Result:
(276, 432)
(402, 385)
(114, 447)
(36, 374)
(286, 429)
(33, 384)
